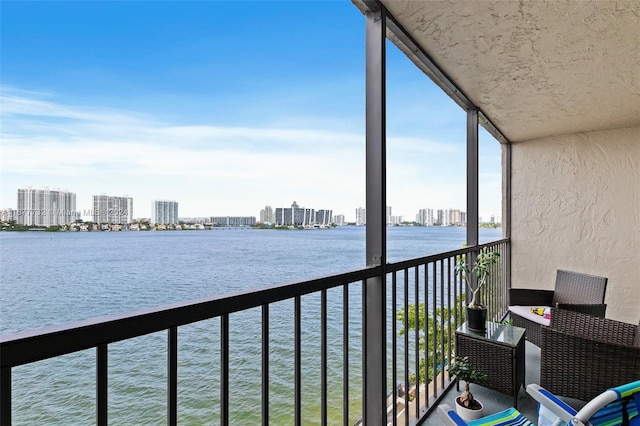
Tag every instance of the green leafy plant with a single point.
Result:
(439, 325)
(465, 371)
(481, 269)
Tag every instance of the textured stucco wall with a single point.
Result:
(576, 206)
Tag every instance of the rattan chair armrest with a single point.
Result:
(597, 310)
(530, 297)
(596, 329)
(581, 367)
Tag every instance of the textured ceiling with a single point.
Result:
(535, 68)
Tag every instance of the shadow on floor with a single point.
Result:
(494, 401)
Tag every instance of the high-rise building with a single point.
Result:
(267, 215)
(361, 216)
(395, 220)
(164, 212)
(195, 220)
(451, 217)
(425, 217)
(283, 216)
(455, 217)
(294, 216)
(113, 210)
(7, 215)
(339, 220)
(233, 220)
(44, 207)
(324, 217)
(389, 219)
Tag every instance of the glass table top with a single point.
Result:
(495, 332)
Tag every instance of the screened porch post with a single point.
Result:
(374, 392)
(472, 177)
(472, 188)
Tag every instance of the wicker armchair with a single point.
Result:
(582, 355)
(574, 291)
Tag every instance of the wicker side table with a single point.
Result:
(498, 352)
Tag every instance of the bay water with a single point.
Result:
(54, 278)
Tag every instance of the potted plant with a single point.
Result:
(481, 269)
(467, 406)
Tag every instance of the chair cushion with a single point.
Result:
(612, 414)
(525, 312)
(508, 417)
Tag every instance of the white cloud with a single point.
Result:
(209, 169)
(105, 151)
(15, 104)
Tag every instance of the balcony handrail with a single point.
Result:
(410, 263)
(42, 343)
(33, 345)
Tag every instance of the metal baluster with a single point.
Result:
(101, 385)
(394, 345)
(456, 294)
(298, 367)
(442, 328)
(265, 364)
(323, 345)
(450, 303)
(172, 367)
(426, 325)
(224, 370)
(416, 299)
(435, 332)
(406, 347)
(5, 396)
(345, 355)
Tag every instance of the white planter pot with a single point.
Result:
(468, 414)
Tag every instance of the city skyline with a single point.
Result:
(112, 208)
(125, 106)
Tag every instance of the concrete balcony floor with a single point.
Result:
(495, 401)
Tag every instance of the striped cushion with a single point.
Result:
(611, 414)
(509, 417)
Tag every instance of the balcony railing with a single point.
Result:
(421, 343)
(416, 355)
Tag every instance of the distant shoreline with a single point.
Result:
(58, 228)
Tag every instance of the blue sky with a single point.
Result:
(223, 106)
